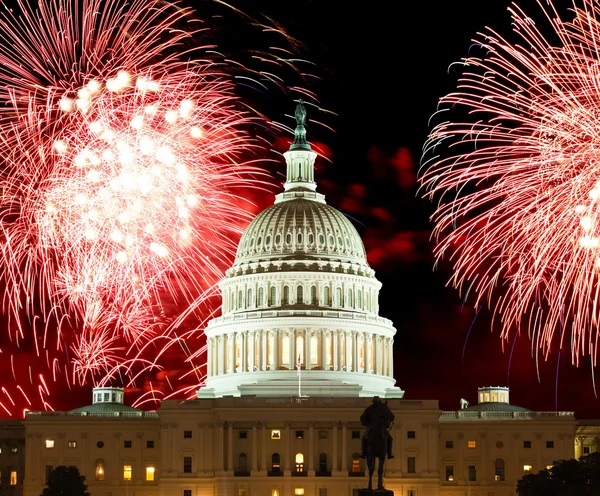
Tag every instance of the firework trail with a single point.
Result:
(517, 183)
(125, 154)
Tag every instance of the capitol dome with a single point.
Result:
(300, 302)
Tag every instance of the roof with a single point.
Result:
(495, 407)
(108, 408)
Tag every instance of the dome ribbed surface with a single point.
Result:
(495, 407)
(301, 229)
(107, 408)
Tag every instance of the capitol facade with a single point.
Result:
(296, 356)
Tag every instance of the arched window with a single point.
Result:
(330, 239)
(268, 240)
(249, 301)
(299, 462)
(355, 463)
(232, 305)
(258, 242)
(326, 301)
(338, 297)
(323, 462)
(261, 297)
(321, 239)
(342, 338)
(350, 301)
(271, 350)
(310, 238)
(314, 350)
(286, 295)
(275, 462)
(299, 238)
(100, 469)
(300, 349)
(499, 469)
(243, 462)
(240, 298)
(359, 300)
(313, 295)
(328, 351)
(273, 297)
(299, 295)
(285, 351)
(288, 238)
(277, 239)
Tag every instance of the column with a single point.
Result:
(344, 448)
(366, 351)
(232, 338)
(379, 354)
(221, 354)
(254, 448)
(288, 451)
(244, 360)
(311, 449)
(307, 349)
(355, 352)
(349, 351)
(336, 348)
(323, 334)
(209, 359)
(229, 446)
(334, 466)
(263, 347)
(263, 436)
(391, 357)
(251, 348)
(293, 356)
(276, 350)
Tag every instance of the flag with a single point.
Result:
(298, 365)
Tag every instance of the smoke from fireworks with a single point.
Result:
(517, 184)
(123, 151)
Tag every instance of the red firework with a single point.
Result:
(123, 154)
(517, 184)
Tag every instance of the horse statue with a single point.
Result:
(377, 442)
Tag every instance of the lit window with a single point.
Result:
(150, 473)
(127, 472)
(299, 491)
(13, 451)
(355, 463)
(242, 491)
(299, 462)
(275, 492)
(299, 434)
(548, 467)
(450, 473)
(275, 434)
(13, 477)
(471, 444)
(49, 443)
(527, 468)
(72, 444)
(100, 469)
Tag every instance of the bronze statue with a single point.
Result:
(377, 441)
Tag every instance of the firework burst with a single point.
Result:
(124, 152)
(517, 184)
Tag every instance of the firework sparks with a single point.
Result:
(517, 189)
(124, 152)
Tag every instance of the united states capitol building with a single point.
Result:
(299, 292)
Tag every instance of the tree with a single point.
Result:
(66, 481)
(565, 478)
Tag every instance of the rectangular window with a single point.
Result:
(242, 491)
(127, 472)
(243, 435)
(127, 444)
(323, 435)
(187, 492)
(527, 468)
(355, 434)
(526, 444)
(411, 492)
(49, 470)
(13, 477)
(472, 473)
(299, 491)
(72, 444)
(187, 434)
(13, 451)
(449, 444)
(322, 491)
(49, 443)
(549, 444)
(411, 434)
(586, 450)
(411, 463)
(299, 434)
(150, 473)
(275, 434)
(187, 464)
(450, 473)
(471, 444)
(150, 444)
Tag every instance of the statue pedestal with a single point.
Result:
(375, 492)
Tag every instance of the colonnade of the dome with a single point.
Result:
(316, 349)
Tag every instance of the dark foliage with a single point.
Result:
(66, 481)
(565, 478)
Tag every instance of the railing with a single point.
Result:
(92, 414)
(360, 473)
(295, 473)
(241, 473)
(323, 473)
(275, 473)
(468, 415)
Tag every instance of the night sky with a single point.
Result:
(383, 66)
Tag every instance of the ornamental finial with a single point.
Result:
(300, 142)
